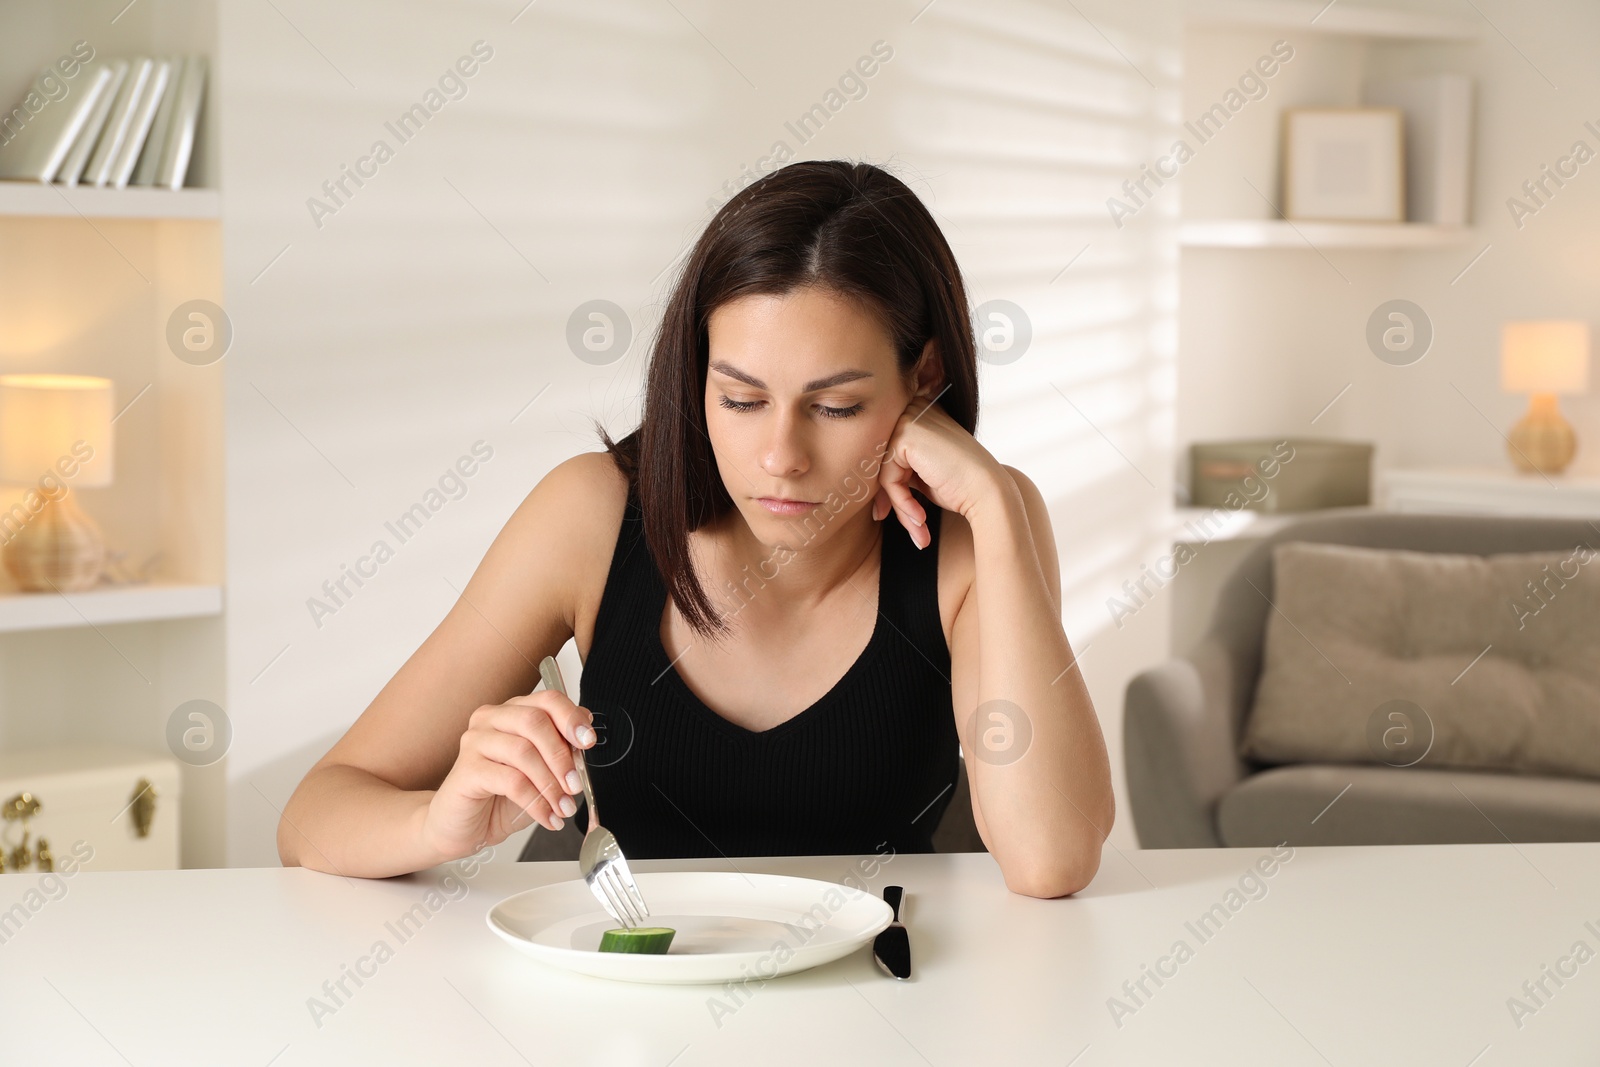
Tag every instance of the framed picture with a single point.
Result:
(1344, 164)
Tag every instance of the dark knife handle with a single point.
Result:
(892, 895)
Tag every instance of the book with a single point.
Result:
(1438, 142)
(144, 173)
(144, 113)
(37, 135)
(178, 150)
(89, 135)
(117, 124)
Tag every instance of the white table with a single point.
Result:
(1398, 955)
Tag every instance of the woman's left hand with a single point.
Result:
(932, 453)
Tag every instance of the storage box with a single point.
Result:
(1282, 474)
(87, 795)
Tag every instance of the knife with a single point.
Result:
(891, 948)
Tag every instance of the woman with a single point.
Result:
(775, 667)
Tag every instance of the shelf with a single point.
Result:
(1334, 18)
(1491, 491)
(41, 200)
(1193, 525)
(134, 603)
(1276, 233)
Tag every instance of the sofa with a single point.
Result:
(1189, 786)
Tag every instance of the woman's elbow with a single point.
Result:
(290, 840)
(1059, 869)
(1060, 877)
(288, 850)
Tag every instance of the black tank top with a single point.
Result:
(871, 763)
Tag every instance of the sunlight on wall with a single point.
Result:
(1027, 119)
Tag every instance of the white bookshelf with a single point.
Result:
(33, 199)
(98, 275)
(1319, 16)
(107, 606)
(1331, 38)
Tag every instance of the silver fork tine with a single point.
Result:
(618, 910)
(613, 903)
(626, 877)
(622, 892)
(598, 892)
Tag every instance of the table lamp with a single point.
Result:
(1543, 359)
(55, 436)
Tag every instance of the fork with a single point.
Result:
(600, 859)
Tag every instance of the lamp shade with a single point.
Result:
(56, 424)
(1544, 357)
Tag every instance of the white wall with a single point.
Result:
(431, 308)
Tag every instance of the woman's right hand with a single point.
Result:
(515, 766)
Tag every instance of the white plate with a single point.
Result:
(729, 926)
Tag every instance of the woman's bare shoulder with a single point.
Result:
(583, 499)
(593, 492)
(590, 482)
(567, 524)
(541, 567)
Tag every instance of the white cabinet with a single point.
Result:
(111, 809)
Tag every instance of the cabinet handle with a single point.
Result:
(20, 807)
(143, 806)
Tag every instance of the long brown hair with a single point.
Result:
(849, 228)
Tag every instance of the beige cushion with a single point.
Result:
(1353, 629)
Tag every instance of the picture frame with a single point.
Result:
(1344, 164)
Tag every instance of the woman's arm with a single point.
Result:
(1044, 813)
(362, 810)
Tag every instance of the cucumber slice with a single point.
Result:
(652, 939)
